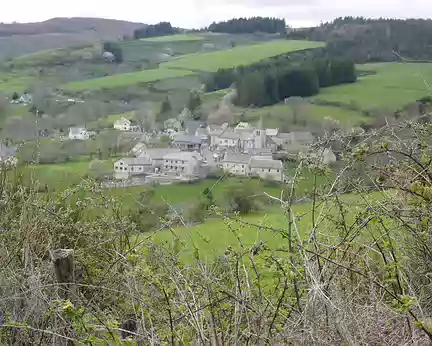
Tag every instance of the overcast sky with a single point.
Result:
(198, 13)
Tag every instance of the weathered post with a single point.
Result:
(64, 269)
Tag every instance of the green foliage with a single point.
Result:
(250, 25)
(126, 79)
(160, 29)
(115, 49)
(238, 56)
(194, 101)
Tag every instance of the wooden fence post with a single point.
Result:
(64, 269)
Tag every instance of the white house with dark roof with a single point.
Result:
(132, 166)
(266, 168)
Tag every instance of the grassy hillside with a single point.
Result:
(282, 115)
(238, 56)
(393, 86)
(125, 79)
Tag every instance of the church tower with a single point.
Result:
(260, 135)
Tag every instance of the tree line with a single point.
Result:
(370, 40)
(160, 29)
(274, 80)
(250, 25)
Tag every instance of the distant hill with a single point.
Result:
(17, 39)
(371, 40)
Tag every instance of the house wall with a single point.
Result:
(189, 167)
(226, 142)
(122, 126)
(268, 173)
(187, 146)
(124, 171)
(236, 168)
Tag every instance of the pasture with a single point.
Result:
(126, 79)
(215, 236)
(393, 86)
(238, 56)
(174, 38)
(307, 113)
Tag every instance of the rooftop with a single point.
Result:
(188, 139)
(183, 156)
(135, 161)
(230, 135)
(237, 158)
(264, 162)
(158, 153)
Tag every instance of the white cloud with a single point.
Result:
(193, 13)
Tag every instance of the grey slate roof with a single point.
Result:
(237, 158)
(301, 137)
(183, 156)
(264, 162)
(230, 135)
(188, 139)
(158, 153)
(135, 161)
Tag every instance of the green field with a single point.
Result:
(215, 236)
(126, 79)
(173, 38)
(274, 116)
(393, 86)
(238, 56)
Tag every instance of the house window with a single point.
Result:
(183, 162)
(269, 170)
(121, 163)
(277, 170)
(226, 141)
(242, 166)
(262, 170)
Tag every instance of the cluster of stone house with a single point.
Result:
(164, 162)
(243, 150)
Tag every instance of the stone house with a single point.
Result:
(78, 133)
(156, 156)
(266, 168)
(132, 166)
(228, 140)
(124, 124)
(187, 143)
(236, 164)
(214, 131)
(185, 163)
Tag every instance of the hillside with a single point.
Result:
(371, 40)
(27, 38)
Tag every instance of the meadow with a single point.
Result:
(174, 38)
(393, 86)
(126, 79)
(238, 56)
(268, 229)
(311, 114)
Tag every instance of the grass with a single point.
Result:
(114, 117)
(393, 86)
(57, 176)
(274, 116)
(173, 38)
(10, 82)
(238, 56)
(215, 236)
(126, 79)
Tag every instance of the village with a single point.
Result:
(197, 150)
